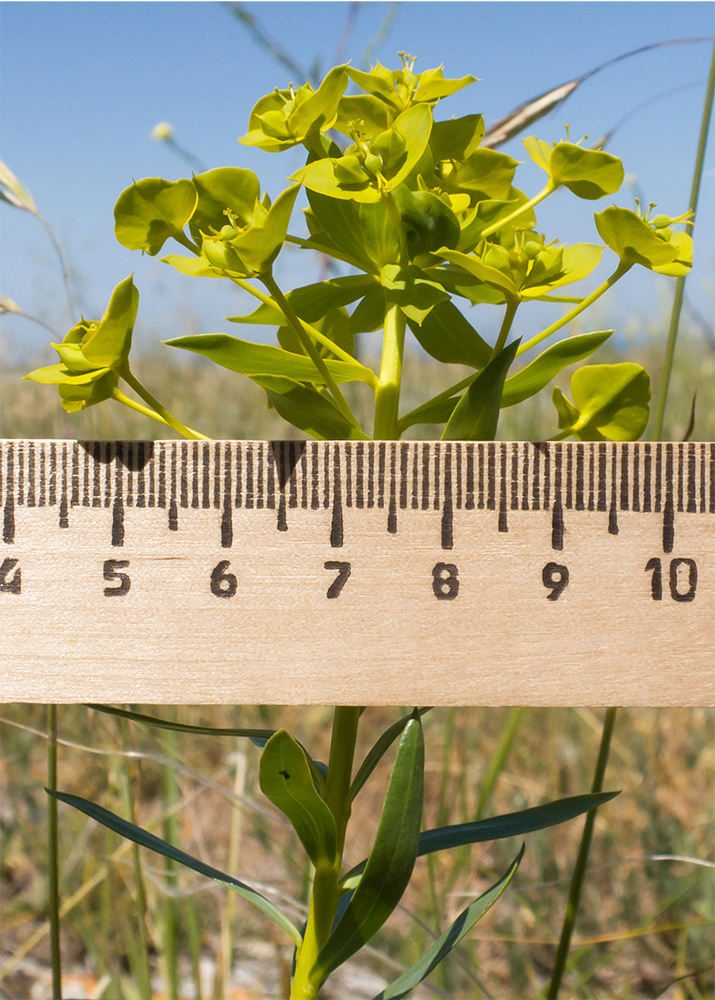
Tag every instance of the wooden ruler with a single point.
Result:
(357, 573)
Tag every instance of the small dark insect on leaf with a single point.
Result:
(285, 774)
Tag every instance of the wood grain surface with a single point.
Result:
(357, 573)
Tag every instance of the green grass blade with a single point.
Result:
(498, 827)
(381, 746)
(579, 872)
(146, 839)
(680, 282)
(53, 856)
(451, 937)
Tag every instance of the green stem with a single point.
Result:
(622, 269)
(167, 417)
(582, 860)
(309, 347)
(53, 854)
(680, 283)
(326, 887)
(133, 405)
(387, 393)
(400, 229)
(544, 193)
(511, 306)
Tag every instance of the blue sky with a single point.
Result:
(84, 83)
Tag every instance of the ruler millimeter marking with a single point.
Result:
(526, 526)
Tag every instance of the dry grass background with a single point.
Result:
(645, 929)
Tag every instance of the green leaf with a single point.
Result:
(312, 302)
(554, 268)
(428, 222)
(537, 375)
(588, 173)
(108, 345)
(323, 177)
(379, 82)
(389, 866)
(146, 839)
(309, 410)
(457, 138)
(382, 243)
(683, 263)
(364, 112)
(476, 415)
(258, 245)
(182, 727)
(612, 402)
(75, 396)
(151, 211)
(194, 267)
(412, 289)
(251, 359)
(486, 174)
(341, 223)
(633, 239)
(318, 112)
(379, 749)
(487, 213)
(432, 412)
(492, 276)
(369, 314)
(448, 337)
(405, 983)
(433, 86)
(231, 188)
(514, 824)
(286, 779)
(414, 126)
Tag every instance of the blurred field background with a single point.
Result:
(646, 927)
(646, 918)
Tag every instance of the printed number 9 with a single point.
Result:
(556, 578)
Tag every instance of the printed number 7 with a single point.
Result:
(337, 585)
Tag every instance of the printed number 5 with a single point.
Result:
(111, 572)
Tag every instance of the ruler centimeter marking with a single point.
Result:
(187, 522)
(666, 478)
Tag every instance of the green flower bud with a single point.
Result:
(218, 254)
(373, 164)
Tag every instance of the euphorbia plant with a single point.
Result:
(420, 221)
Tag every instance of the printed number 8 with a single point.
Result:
(444, 581)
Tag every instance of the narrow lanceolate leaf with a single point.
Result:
(497, 828)
(476, 415)
(251, 359)
(262, 735)
(286, 779)
(312, 302)
(537, 375)
(402, 986)
(146, 839)
(389, 867)
(379, 749)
